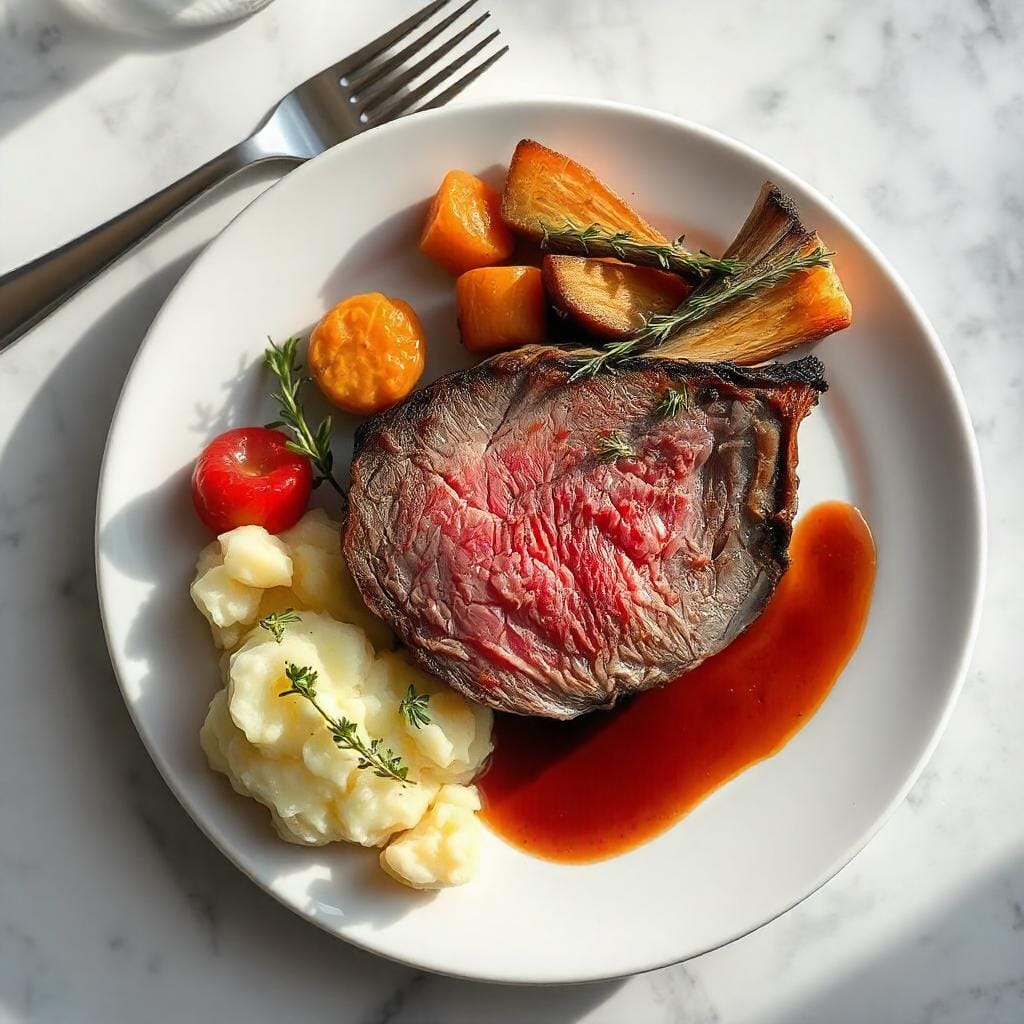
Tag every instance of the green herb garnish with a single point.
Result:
(660, 328)
(675, 400)
(275, 622)
(613, 446)
(598, 242)
(386, 764)
(414, 706)
(315, 445)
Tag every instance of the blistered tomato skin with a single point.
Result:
(248, 477)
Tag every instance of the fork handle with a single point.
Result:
(33, 291)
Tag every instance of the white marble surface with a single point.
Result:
(113, 907)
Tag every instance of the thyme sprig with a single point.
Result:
(315, 445)
(613, 446)
(386, 764)
(660, 328)
(599, 242)
(675, 400)
(414, 706)
(275, 622)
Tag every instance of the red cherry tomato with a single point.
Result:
(248, 477)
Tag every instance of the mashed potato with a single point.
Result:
(444, 848)
(247, 573)
(280, 751)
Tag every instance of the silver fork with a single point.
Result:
(364, 89)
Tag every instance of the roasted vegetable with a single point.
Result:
(572, 240)
(607, 299)
(464, 229)
(809, 305)
(367, 353)
(545, 188)
(500, 308)
(806, 306)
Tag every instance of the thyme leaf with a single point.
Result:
(414, 706)
(275, 622)
(599, 242)
(386, 764)
(661, 327)
(314, 445)
(675, 400)
(612, 447)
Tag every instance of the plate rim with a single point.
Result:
(953, 394)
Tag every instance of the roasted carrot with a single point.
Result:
(500, 308)
(546, 188)
(367, 353)
(464, 229)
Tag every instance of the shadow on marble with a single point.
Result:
(977, 938)
(50, 48)
(106, 764)
(430, 998)
(89, 724)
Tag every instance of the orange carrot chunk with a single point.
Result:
(500, 308)
(367, 353)
(464, 229)
(548, 188)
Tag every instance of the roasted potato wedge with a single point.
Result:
(607, 299)
(545, 187)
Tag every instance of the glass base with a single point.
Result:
(150, 16)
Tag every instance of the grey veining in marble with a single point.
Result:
(113, 907)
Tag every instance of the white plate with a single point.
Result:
(892, 435)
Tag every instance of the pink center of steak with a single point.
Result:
(534, 551)
(515, 564)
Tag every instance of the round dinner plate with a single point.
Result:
(892, 436)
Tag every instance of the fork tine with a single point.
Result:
(471, 76)
(356, 60)
(401, 104)
(390, 86)
(359, 81)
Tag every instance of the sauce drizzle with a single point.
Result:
(590, 789)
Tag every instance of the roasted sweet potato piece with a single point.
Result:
(367, 353)
(608, 299)
(464, 229)
(545, 187)
(500, 308)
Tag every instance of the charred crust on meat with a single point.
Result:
(408, 458)
(539, 580)
(808, 371)
(504, 395)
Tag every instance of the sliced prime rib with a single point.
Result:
(488, 529)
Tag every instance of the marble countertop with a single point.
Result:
(113, 906)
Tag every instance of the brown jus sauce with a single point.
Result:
(600, 785)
